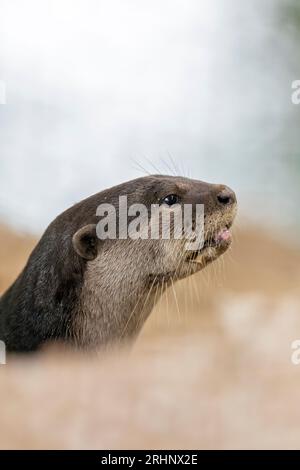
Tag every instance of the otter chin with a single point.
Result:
(214, 246)
(91, 291)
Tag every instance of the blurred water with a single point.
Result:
(95, 88)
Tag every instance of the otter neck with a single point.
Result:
(113, 312)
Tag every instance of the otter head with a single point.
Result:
(158, 227)
(144, 233)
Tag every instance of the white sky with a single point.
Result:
(94, 85)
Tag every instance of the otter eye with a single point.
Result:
(170, 200)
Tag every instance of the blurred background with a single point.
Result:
(99, 92)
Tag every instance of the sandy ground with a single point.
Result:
(212, 368)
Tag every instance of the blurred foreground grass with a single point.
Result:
(211, 368)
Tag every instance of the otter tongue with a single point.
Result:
(223, 235)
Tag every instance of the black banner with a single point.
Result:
(142, 458)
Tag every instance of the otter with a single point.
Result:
(89, 292)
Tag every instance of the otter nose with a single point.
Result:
(226, 196)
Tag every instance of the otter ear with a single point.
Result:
(85, 242)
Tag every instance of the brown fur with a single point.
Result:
(89, 292)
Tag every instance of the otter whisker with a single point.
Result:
(155, 168)
(139, 167)
(144, 305)
(133, 311)
(167, 166)
(173, 163)
(175, 298)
